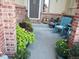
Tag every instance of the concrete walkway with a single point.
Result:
(43, 47)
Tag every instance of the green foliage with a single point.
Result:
(62, 48)
(74, 51)
(26, 24)
(23, 38)
(22, 54)
(26, 20)
(24, 35)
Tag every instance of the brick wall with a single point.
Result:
(2, 41)
(75, 26)
(49, 15)
(21, 12)
(7, 27)
(9, 14)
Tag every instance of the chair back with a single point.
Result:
(65, 20)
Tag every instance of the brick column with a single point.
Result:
(9, 24)
(75, 33)
(75, 26)
(2, 41)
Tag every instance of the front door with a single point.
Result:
(34, 8)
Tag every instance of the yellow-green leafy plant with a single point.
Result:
(23, 39)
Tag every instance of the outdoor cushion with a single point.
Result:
(59, 26)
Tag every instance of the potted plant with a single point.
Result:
(62, 49)
(27, 26)
(74, 51)
(24, 38)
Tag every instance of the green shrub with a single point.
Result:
(22, 34)
(26, 24)
(74, 51)
(23, 38)
(62, 48)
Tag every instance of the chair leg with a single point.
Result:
(64, 34)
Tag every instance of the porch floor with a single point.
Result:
(44, 46)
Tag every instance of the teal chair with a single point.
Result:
(65, 21)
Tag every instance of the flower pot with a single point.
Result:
(59, 57)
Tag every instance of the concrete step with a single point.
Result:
(36, 21)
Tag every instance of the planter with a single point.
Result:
(73, 58)
(62, 49)
(60, 57)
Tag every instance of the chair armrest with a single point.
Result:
(69, 25)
